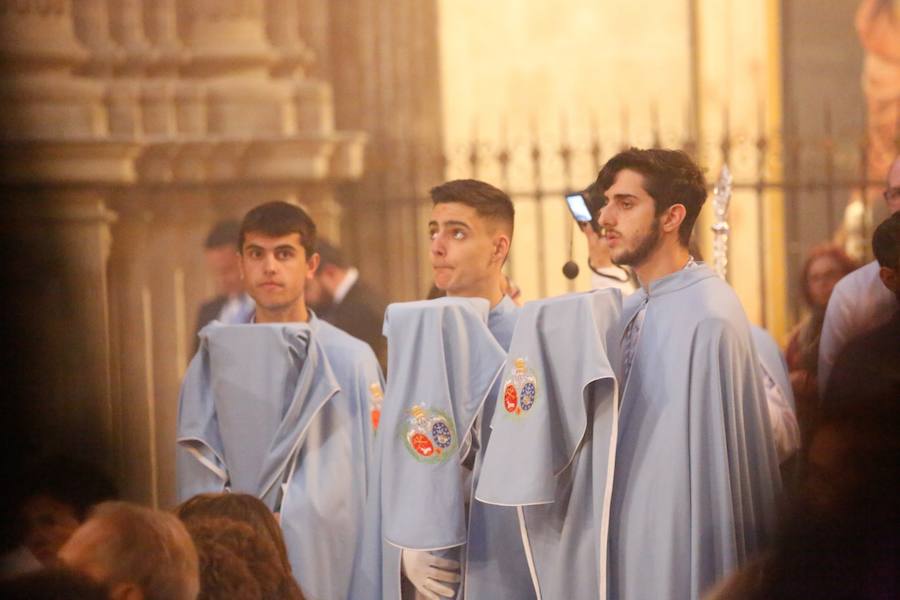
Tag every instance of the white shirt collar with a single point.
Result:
(346, 283)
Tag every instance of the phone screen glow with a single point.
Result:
(578, 208)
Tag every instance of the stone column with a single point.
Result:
(132, 329)
(59, 318)
(283, 26)
(381, 60)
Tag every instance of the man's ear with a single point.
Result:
(673, 217)
(312, 265)
(890, 278)
(501, 245)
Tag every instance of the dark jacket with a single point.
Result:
(868, 369)
(361, 314)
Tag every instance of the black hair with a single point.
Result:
(886, 242)
(276, 219)
(223, 233)
(670, 177)
(488, 201)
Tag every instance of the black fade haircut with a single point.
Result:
(886, 242)
(670, 177)
(276, 219)
(488, 201)
(223, 233)
(329, 254)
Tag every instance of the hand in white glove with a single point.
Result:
(425, 571)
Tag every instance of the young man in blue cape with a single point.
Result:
(471, 229)
(282, 408)
(696, 474)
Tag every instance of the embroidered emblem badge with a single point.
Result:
(376, 398)
(520, 390)
(429, 434)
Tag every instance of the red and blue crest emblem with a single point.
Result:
(429, 435)
(520, 390)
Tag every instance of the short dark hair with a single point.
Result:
(329, 254)
(488, 201)
(670, 177)
(886, 242)
(276, 219)
(223, 233)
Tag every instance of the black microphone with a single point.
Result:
(570, 269)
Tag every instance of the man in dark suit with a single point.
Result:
(232, 304)
(339, 296)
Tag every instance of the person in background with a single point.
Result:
(58, 493)
(231, 305)
(835, 539)
(340, 297)
(825, 265)
(220, 540)
(245, 509)
(138, 553)
(868, 368)
(604, 272)
(859, 302)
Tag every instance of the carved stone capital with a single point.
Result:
(37, 35)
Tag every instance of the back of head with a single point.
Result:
(53, 584)
(886, 242)
(239, 507)
(254, 549)
(670, 177)
(278, 219)
(489, 202)
(837, 540)
(224, 574)
(224, 233)
(330, 255)
(123, 543)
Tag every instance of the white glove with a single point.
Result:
(425, 571)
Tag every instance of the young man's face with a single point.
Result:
(49, 523)
(463, 249)
(629, 218)
(275, 270)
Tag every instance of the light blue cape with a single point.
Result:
(553, 461)
(276, 410)
(696, 473)
(444, 360)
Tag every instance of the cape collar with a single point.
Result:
(676, 281)
(503, 308)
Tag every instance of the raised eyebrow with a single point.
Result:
(462, 224)
(623, 196)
